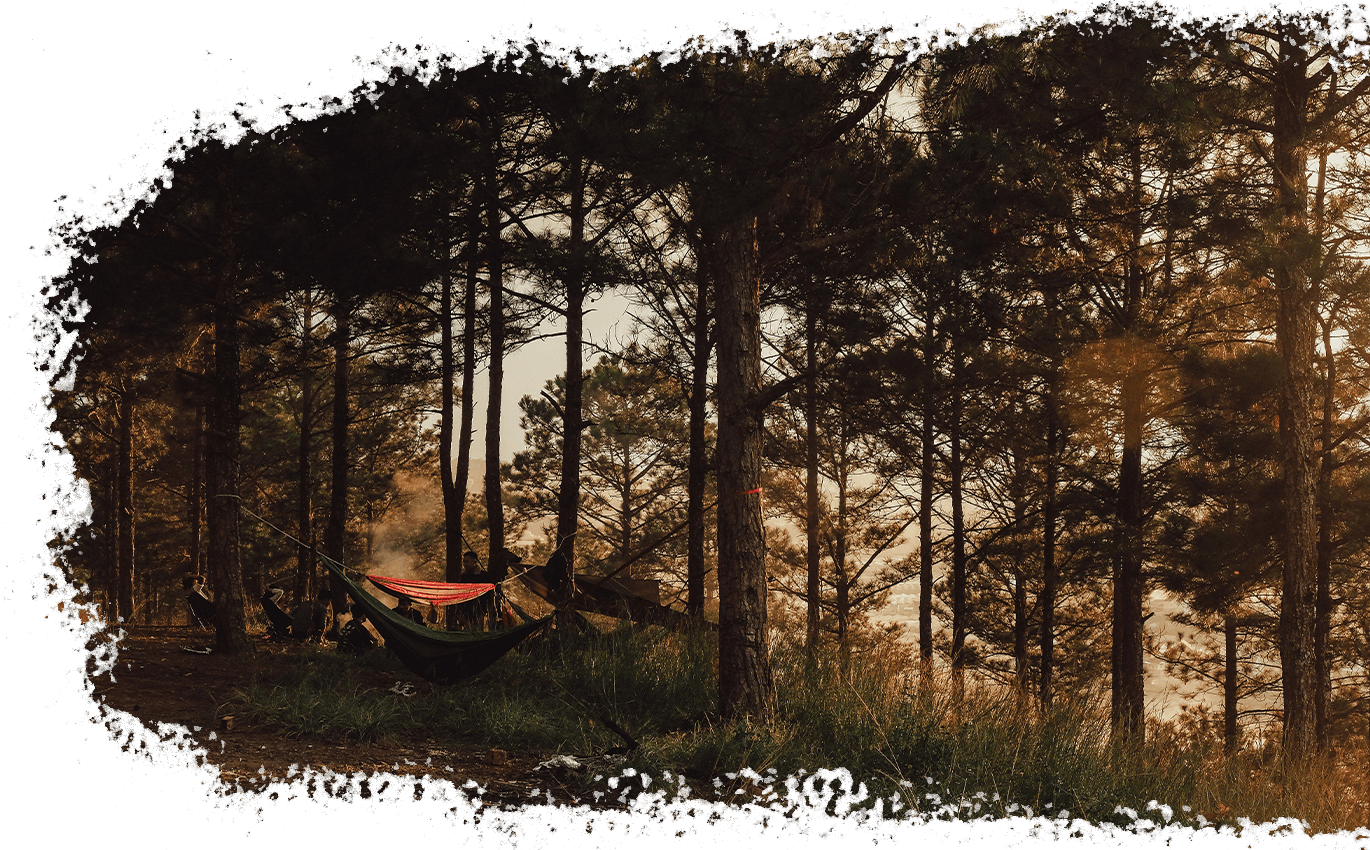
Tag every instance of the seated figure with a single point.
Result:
(406, 609)
(354, 636)
(278, 622)
(200, 605)
(309, 620)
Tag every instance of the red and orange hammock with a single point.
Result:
(430, 592)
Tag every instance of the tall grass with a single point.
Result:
(907, 737)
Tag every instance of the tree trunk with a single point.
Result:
(925, 493)
(699, 460)
(1021, 670)
(1322, 666)
(109, 575)
(194, 508)
(1231, 741)
(334, 539)
(304, 499)
(745, 681)
(1050, 512)
(1322, 663)
(958, 522)
(1295, 337)
(124, 504)
(451, 507)
(468, 400)
(494, 228)
(225, 416)
(842, 581)
(811, 529)
(1129, 672)
(568, 493)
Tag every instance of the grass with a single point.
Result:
(904, 739)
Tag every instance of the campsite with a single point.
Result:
(158, 680)
(501, 413)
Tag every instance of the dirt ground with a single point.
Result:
(158, 678)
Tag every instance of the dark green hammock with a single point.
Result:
(439, 657)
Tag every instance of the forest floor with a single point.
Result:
(158, 677)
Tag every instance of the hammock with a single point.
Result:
(431, 592)
(439, 657)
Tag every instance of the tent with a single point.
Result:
(440, 657)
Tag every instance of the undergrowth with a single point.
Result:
(908, 741)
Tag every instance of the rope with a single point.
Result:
(342, 567)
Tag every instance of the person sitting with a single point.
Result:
(406, 609)
(354, 637)
(200, 605)
(558, 575)
(278, 621)
(492, 604)
(467, 612)
(309, 620)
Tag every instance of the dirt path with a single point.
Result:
(156, 678)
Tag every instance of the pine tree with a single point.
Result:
(632, 483)
(1291, 94)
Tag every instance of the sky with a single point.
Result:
(527, 370)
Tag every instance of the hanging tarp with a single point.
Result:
(431, 592)
(440, 657)
(629, 599)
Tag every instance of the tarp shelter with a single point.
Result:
(625, 598)
(440, 657)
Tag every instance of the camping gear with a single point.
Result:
(630, 599)
(279, 621)
(201, 608)
(431, 592)
(440, 657)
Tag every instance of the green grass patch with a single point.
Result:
(905, 739)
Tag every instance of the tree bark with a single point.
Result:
(304, 500)
(746, 686)
(958, 521)
(1128, 670)
(1295, 336)
(451, 507)
(494, 228)
(1021, 670)
(1128, 680)
(699, 460)
(568, 493)
(461, 478)
(1322, 629)
(811, 530)
(1050, 513)
(225, 416)
(124, 505)
(194, 506)
(1322, 663)
(925, 493)
(841, 578)
(109, 574)
(1231, 741)
(335, 539)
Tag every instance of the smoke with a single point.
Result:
(407, 540)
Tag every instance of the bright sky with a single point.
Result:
(529, 369)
